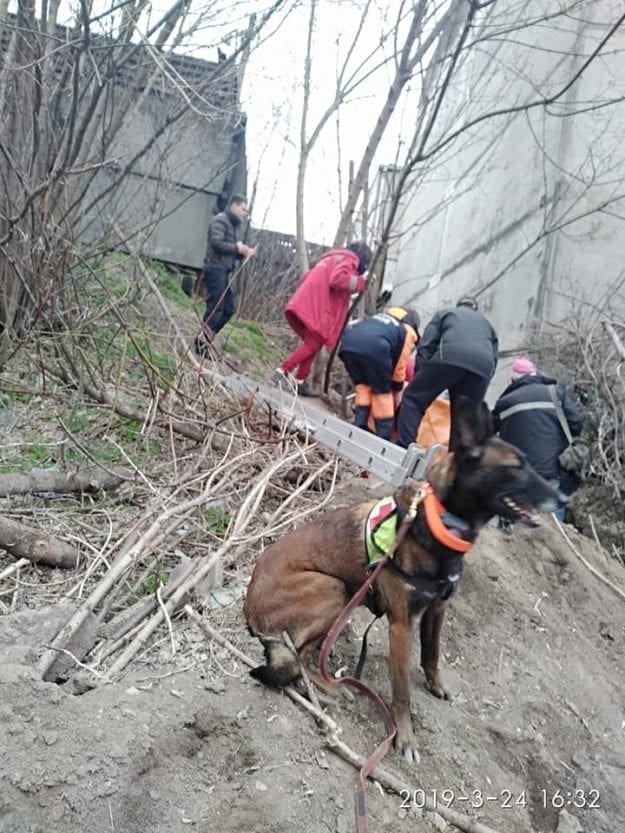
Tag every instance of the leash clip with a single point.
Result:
(417, 498)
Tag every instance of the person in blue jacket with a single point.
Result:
(375, 352)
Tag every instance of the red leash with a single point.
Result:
(362, 818)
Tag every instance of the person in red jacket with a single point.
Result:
(317, 310)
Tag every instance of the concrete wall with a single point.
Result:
(165, 202)
(483, 214)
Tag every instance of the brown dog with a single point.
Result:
(301, 582)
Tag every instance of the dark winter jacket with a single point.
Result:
(525, 417)
(461, 337)
(221, 249)
(384, 341)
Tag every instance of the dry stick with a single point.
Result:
(245, 513)
(82, 664)
(396, 785)
(125, 560)
(121, 565)
(615, 338)
(387, 779)
(14, 568)
(310, 690)
(596, 537)
(85, 480)
(586, 563)
(159, 598)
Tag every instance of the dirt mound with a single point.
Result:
(531, 742)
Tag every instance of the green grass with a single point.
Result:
(165, 363)
(152, 583)
(169, 283)
(217, 519)
(248, 341)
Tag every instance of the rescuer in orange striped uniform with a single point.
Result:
(375, 352)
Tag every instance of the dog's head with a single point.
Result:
(485, 476)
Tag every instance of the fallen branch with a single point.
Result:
(615, 338)
(135, 550)
(587, 563)
(391, 782)
(14, 568)
(243, 517)
(48, 480)
(25, 542)
(394, 784)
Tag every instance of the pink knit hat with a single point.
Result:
(522, 367)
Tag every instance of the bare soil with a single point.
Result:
(532, 653)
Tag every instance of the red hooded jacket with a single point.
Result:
(320, 302)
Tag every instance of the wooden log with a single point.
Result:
(24, 542)
(90, 479)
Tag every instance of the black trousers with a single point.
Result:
(219, 298)
(430, 380)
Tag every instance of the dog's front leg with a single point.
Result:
(400, 646)
(431, 624)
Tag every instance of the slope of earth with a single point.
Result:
(532, 654)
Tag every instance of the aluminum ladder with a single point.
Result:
(386, 460)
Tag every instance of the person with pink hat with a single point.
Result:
(525, 416)
(523, 367)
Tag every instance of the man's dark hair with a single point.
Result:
(364, 254)
(236, 199)
(467, 301)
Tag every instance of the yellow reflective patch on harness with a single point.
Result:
(380, 530)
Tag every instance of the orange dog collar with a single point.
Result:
(433, 511)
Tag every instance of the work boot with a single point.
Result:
(384, 428)
(361, 416)
(304, 389)
(283, 380)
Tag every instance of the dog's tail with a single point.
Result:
(282, 666)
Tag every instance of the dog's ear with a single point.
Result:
(486, 422)
(471, 428)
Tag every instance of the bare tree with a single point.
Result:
(87, 106)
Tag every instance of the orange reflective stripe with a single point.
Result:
(382, 406)
(363, 395)
(399, 371)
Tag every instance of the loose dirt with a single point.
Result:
(533, 740)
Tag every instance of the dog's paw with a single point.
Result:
(408, 750)
(435, 687)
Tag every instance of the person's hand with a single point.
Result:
(245, 250)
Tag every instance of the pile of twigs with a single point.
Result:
(154, 541)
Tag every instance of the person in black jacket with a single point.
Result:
(222, 251)
(375, 352)
(525, 416)
(457, 352)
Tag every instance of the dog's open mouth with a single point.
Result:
(518, 511)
